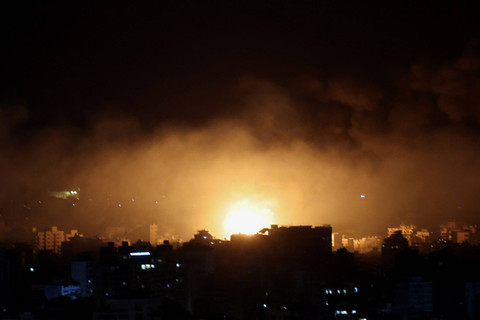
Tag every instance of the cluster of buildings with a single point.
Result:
(421, 238)
(459, 233)
(282, 272)
(360, 245)
(52, 239)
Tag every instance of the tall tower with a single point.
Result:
(153, 234)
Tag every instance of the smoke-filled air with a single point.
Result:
(341, 150)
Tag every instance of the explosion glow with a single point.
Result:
(248, 217)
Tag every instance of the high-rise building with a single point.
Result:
(52, 239)
(391, 246)
(472, 299)
(153, 234)
(84, 272)
(336, 240)
(300, 240)
(413, 298)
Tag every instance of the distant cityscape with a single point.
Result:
(281, 272)
(425, 240)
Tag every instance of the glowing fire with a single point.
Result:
(247, 217)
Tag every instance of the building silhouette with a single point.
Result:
(391, 246)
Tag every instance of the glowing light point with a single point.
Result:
(362, 196)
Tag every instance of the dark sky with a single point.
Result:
(161, 57)
(315, 103)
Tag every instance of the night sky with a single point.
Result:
(181, 108)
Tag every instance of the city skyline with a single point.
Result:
(52, 237)
(282, 271)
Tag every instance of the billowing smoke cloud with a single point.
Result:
(311, 148)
